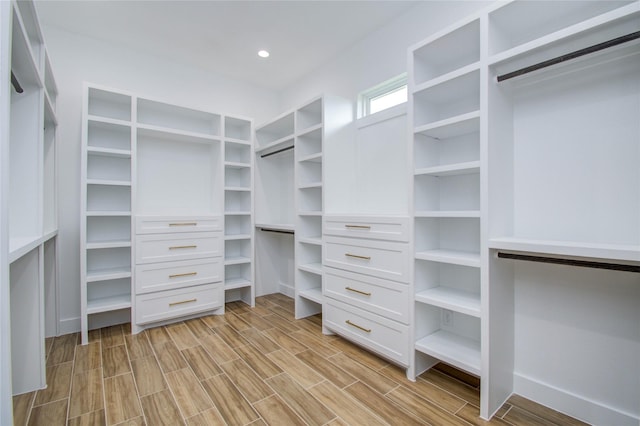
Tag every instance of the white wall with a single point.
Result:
(76, 59)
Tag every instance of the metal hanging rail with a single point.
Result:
(571, 262)
(277, 152)
(279, 231)
(563, 58)
(15, 83)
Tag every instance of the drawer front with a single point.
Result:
(377, 258)
(385, 337)
(386, 298)
(374, 227)
(165, 305)
(184, 246)
(172, 275)
(177, 224)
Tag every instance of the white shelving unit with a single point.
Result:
(107, 221)
(178, 179)
(239, 227)
(510, 162)
(445, 117)
(28, 225)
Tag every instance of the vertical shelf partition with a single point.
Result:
(106, 229)
(238, 194)
(445, 116)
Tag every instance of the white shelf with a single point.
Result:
(313, 294)
(311, 240)
(313, 158)
(20, 246)
(108, 244)
(109, 152)
(460, 72)
(174, 134)
(314, 268)
(234, 283)
(238, 213)
(236, 260)
(452, 127)
(108, 182)
(108, 274)
(236, 165)
(458, 351)
(311, 185)
(285, 142)
(237, 189)
(449, 298)
(448, 213)
(450, 256)
(309, 129)
(108, 213)
(465, 168)
(238, 141)
(237, 237)
(310, 213)
(108, 304)
(568, 248)
(107, 120)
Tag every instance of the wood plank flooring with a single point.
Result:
(251, 366)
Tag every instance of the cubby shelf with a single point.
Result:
(232, 237)
(314, 268)
(309, 129)
(449, 298)
(310, 185)
(97, 213)
(468, 167)
(448, 213)
(313, 158)
(109, 152)
(310, 213)
(108, 274)
(450, 256)
(451, 127)
(107, 120)
(236, 165)
(314, 294)
(238, 141)
(236, 283)
(453, 349)
(237, 189)
(108, 182)
(108, 304)
(451, 76)
(236, 260)
(174, 134)
(311, 240)
(285, 142)
(108, 244)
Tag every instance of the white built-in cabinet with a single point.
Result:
(28, 209)
(166, 211)
(525, 175)
(290, 199)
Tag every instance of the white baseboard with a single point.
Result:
(287, 290)
(69, 325)
(590, 411)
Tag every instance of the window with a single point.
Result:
(385, 95)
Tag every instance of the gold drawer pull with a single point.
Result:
(357, 291)
(181, 247)
(358, 256)
(182, 302)
(184, 224)
(366, 330)
(357, 226)
(186, 274)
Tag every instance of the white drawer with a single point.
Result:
(184, 246)
(383, 336)
(378, 258)
(386, 298)
(165, 305)
(387, 228)
(174, 224)
(172, 275)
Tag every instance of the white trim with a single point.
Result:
(574, 405)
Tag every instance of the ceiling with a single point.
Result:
(225, 36)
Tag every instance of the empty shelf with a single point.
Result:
(456, 350)
(107, 304)
(451, 256)
(233, 283)
(314, 268)
(449, 298)
(313, 294)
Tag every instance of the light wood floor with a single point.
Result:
(251, 366)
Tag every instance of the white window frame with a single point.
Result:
(384, 88)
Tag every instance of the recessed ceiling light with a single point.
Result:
(263, 54)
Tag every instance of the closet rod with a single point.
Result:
(15, 83)
(572, 55)
(277, 152)
(279, 231)
(571, 262)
